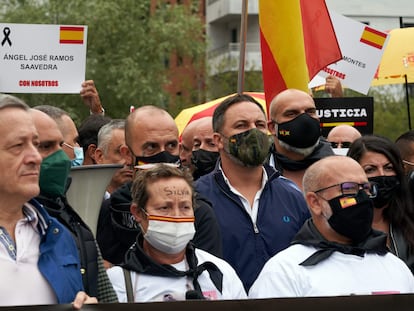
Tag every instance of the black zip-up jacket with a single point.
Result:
(85, 241)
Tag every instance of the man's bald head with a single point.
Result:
(332, 170)
(198, 134)
(289, 99)
(150, 130)
(343, 133)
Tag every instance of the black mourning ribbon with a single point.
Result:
(137, 260)
(6, 39)
(308, 235)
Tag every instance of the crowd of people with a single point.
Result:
(238, 206)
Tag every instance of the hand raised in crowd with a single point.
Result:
(90, 97)
(81, 299)
(333, 87)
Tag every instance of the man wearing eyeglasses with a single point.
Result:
(341, 137)
(336, 252)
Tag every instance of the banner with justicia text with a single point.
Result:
(39, 58)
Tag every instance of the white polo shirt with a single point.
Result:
(21, 281)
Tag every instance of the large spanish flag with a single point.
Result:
(297, 40)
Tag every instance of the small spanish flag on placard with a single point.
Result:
(347, 202)
(71, 35)
(373, 37)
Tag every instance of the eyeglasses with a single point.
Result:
(67, 145)
(344, 144)
(350, 188)
(408, 162)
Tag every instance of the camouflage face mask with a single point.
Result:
(250, 147)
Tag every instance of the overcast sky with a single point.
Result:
(403, 8)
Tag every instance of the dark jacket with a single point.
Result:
(247, 246)
(400, 248)
(95, 280)
(374, 243)
(117, 229)
(323, 149)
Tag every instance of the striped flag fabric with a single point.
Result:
(71, 35)
(347, 202)
(297, 40)
(373, 37)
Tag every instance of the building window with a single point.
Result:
(234, 38)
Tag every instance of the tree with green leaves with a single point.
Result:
(128, 49)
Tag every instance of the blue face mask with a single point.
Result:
(78, 160)
(78, 151)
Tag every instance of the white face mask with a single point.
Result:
(169, 234)
(340, 151)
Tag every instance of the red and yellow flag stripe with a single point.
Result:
(297, 41)
(170, 219)
(373, 37)
(71, 34)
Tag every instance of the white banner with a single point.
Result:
(42, 58)
(362, 48)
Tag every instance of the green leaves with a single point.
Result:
(127, 51)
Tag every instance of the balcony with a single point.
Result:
(225, 10)
(226, 58)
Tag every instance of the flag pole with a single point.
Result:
(408, 102)
(242, 57)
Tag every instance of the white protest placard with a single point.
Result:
(361, 46)
(38, 58)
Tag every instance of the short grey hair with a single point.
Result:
(55, 113)
(8, 101)
(106, 131)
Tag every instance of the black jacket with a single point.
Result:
(400, 248)
(85, 241)
(281, 162)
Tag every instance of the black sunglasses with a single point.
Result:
(344, 144)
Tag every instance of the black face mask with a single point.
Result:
(204, 161)
(386, 188)
(352, 216)
(162, 157)
(301, 132)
